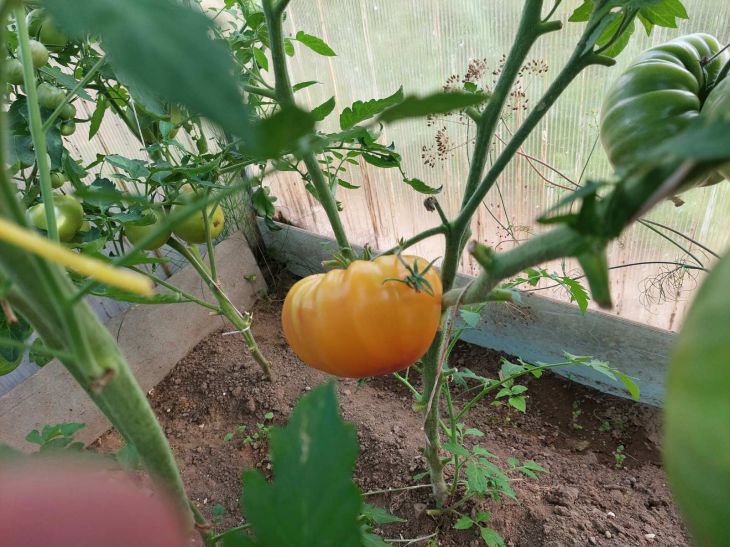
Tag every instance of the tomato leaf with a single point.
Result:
(165, 48)
(315, 44)
(98, 116)
(312, 499)
(361, 111)
(302, 85)
(697, 411)
(378, 515)
(436, 103)
(324, 110)
(421, 187)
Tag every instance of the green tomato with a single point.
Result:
(68, 128)
(38, 53)
(14, 71)
(68, 112)
(192, 230)
(136, 233)
(57, 179)
(69, 216)
(658, 96)
(49, 96)
(717, 107)
(41, 26)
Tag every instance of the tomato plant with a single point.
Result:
(232, 96)
(400, 297)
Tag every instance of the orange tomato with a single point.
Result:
(362, 321)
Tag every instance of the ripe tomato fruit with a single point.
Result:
(57, 503)
(136, 233)
(192, 230)
(14, 71)
(38, 53)
(69, 216)
(363, 321)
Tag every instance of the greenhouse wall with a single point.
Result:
(422, 44)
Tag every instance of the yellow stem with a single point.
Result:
(91, 267)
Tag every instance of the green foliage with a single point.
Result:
(147, 51)
(697, 412)
(365, 110)
(312, 499)
(56, 437)
(619, 25)
(315, 44)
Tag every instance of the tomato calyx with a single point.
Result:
(415, 279)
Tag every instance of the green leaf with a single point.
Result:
(623, 39)
(577, 292)
(64, 80)
(263, 202)
(302, 85)
(582, 13)
(137, 169)
(629, 384)
(491, 538)
(312, 499)
(471, 318)
(324, 110)
(697, 412)
(456, 449)
(274, 136)
(144, 42)
(464, 523)
(261, 58)
(475, 479)
(474, 432)
(421, 187)
(98, 116)
(437, 103)
(361, 111)
(315, 44)
(378, 515)
(39, 354)
(372, 540)
(347, 185)
(520, 403)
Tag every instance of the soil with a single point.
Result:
(589, 495)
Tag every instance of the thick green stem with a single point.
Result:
(227, 309)
(36, 123)
(285, 96)
(432, 391)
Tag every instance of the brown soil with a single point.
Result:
(572, 431)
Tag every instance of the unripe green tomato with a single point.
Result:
(136, 233)
(192, 229)
(38, 53)
(57, 179)
(49, 96)
(68, 128)
(69, 216)
(14, 71)
(657, 98)
(68, 112)
(41, 26)
(717, 107)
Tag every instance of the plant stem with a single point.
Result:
(436, 230)
(240, 321)
(36, 124)
(71, 94)
(285, 96)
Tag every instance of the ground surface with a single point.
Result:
(573, 432)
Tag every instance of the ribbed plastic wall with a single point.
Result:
(382, 44)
